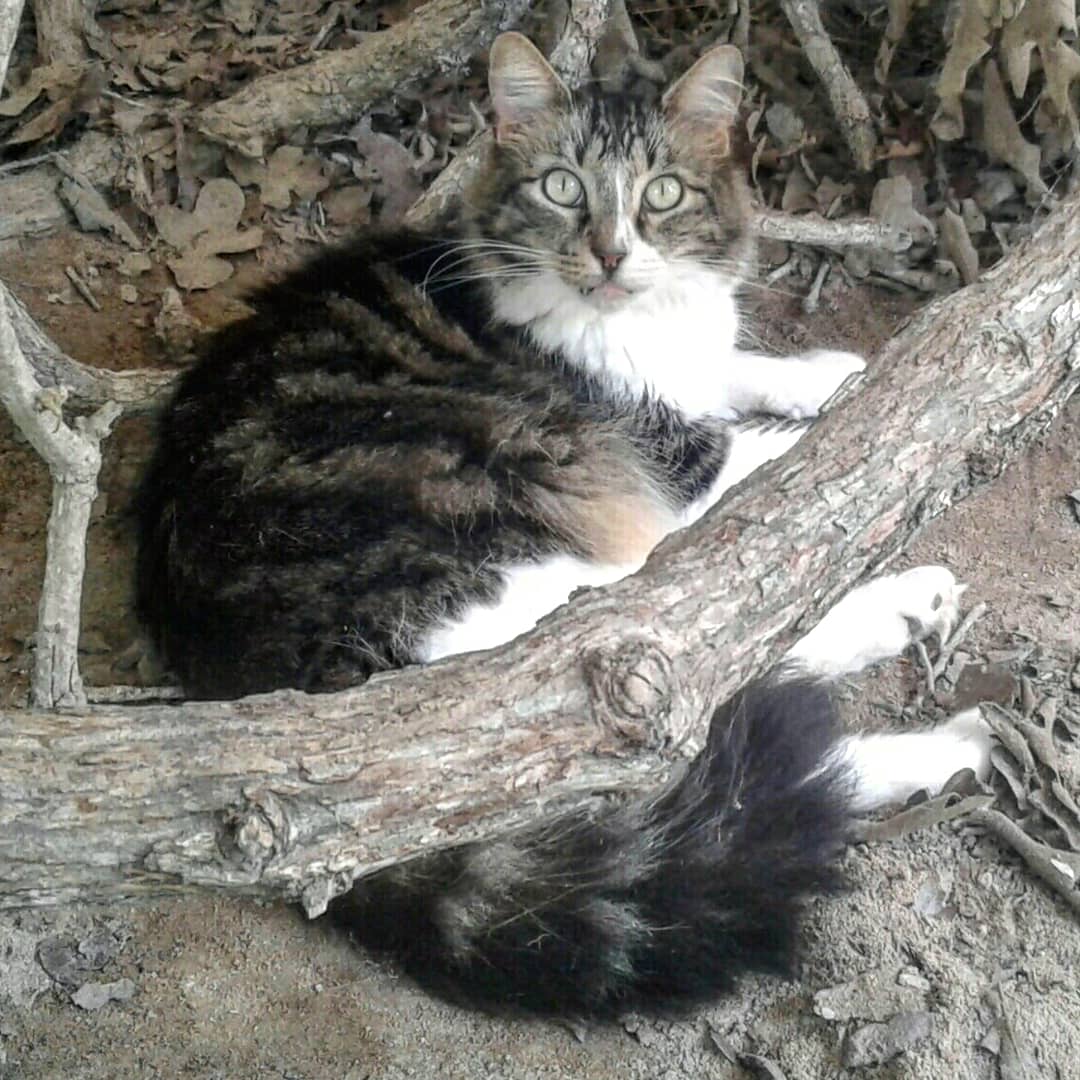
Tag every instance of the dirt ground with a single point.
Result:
(943, 930)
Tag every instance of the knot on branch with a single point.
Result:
(633, 690)
(257, 831)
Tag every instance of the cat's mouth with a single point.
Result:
(607, 293)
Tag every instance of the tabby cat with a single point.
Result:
(419, 443)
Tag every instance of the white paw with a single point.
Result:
(880, 619)
(811, 380)
(973, 738)
(929, 599)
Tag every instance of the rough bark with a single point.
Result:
(441, 35)
(604, 694)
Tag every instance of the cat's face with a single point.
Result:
(613, 197)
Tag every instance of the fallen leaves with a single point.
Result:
(287, 172)
(207, 232)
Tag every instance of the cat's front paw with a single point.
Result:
(811, 380)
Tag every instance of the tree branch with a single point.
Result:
(136, 392)
(74, 460)
(848, 104)
(10, 16)
(602, 695)
(443, 35)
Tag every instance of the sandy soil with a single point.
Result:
(942, 927)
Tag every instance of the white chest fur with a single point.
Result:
(675, 341)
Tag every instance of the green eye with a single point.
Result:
(663, 193)
(563, 188)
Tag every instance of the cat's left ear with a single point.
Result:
(523, 84)
(706, 99)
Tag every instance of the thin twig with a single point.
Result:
(928, 668)
(956, 637)
(1059, 869)
(82, 288)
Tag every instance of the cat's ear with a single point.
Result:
(706, 99)
(523, 84)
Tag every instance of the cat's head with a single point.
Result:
(610, 196)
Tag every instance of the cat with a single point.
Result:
(420, 443)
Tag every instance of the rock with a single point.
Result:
(875, 995)
(874, 1044)
(92, 996)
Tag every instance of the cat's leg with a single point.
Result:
(530, 591)
(889, 768)
(791, 386)
(750, 445)
(875, 622)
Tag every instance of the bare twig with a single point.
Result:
(82, 288)
(956, 637)
(1058, 869)
(74, 460)
(585, 25)
(848, 104)
(88, 387)
(816, 231)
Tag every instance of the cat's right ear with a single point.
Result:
(523, 84)
(705, 101)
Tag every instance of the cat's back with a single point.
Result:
(343, 466)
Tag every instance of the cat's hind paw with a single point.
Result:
(974, 738)
(880, 619)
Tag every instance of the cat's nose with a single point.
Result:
(609, 257)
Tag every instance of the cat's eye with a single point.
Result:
(563, 188)
(663, 193)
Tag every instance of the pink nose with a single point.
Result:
(609, 259)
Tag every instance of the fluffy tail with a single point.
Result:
(657, 903)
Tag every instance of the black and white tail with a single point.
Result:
(659, 903)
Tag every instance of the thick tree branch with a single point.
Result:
(442, 35)
(603, 694)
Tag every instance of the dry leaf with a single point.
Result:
(243, 14)
(400, 186)
(49, 77)
(287, 171)
(208, 231)
(1001, 135)
(967, 47)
